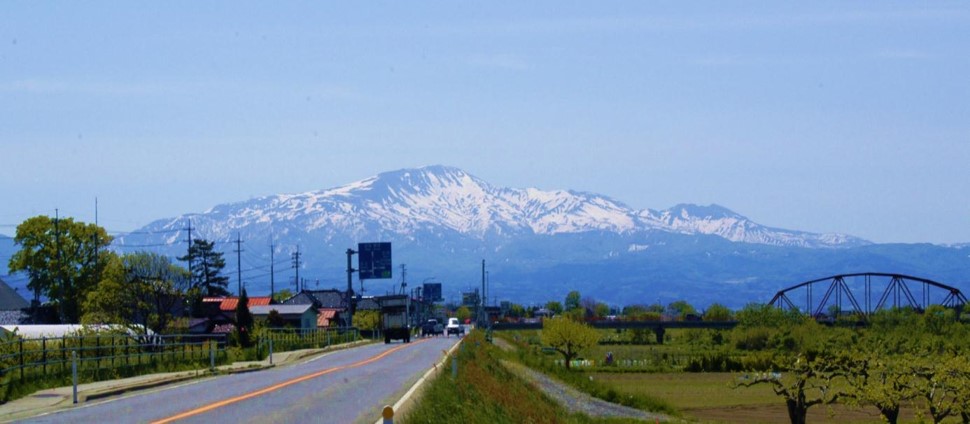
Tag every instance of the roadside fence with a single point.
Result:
(104, 356)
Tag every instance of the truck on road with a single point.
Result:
(394, 317)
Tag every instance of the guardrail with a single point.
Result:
(284, 339)
(104, 356)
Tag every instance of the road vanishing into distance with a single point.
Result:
(346, 386)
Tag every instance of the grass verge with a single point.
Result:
(483, 391)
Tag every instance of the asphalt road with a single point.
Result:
(346, 386)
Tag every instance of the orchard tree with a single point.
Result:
(943, 384)
(63, 260)
(568, 337)
(880, 380)
(805, 380)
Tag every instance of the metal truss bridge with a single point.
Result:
(865, 293)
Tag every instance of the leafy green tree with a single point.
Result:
(367, 320)
(463, 313)
(205, 265)
(806, 379)
(601, 310)
(282, 295)
(110, 302)
(568, 337)
(717, 312)
(943, 384)
(147, 291)
(576, 314)
(244, 320)
(516, 311)
(63, 260)
(880, 380)
(555, 307)
(275, 320)
(680, 309)
(764, 315)
(573, 300)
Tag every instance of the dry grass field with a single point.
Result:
(708, 398)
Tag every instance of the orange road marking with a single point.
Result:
(287, 383)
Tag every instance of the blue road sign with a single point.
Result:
(374, 260)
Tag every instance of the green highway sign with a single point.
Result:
(374, 260)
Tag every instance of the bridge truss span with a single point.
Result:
(865, 293)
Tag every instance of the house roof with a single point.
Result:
(10, 300)
(330, 298)
(368, 304)
(325, 316)
(282, 309)
(230, 303)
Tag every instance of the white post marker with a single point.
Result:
(388, 414)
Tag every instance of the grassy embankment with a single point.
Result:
(486, 392)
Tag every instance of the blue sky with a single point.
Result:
(843, 117)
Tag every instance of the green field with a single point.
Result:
(708, 397)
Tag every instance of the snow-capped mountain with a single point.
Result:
(539, 244)
(439, 199)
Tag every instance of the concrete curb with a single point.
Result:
(405, 402)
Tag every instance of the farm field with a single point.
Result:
(708, 397)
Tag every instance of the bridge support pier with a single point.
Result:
(660, 331)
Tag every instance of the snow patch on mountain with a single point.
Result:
(441, 200)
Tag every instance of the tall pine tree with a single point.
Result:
(206, 266)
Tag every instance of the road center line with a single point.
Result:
(275, 387)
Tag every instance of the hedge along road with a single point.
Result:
(344, 386)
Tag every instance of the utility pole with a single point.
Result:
(351, 307)
(404, 274)
(482, 320)
(272, 287)
(188, 253)
(296, 265)
(238, 265)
